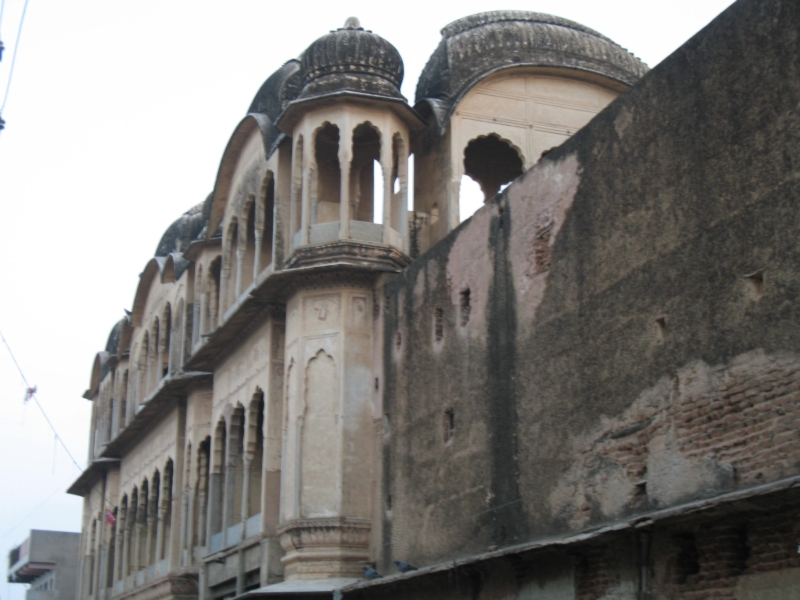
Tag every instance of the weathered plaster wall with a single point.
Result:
(612, 355)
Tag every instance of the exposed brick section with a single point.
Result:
(722, 552)
(592, 573)
(747, 417)
(539, 256)
(773, 541)
(708, 563)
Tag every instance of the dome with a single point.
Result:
(351, 60)
(479, 45)
(278, 90)
(275, 93)
(180, 234)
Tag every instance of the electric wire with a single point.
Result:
(14, 58)
(33, 395)
(32, 512)
(55, 432)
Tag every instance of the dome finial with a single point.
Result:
(352, 23)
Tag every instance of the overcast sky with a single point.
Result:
(117, 117)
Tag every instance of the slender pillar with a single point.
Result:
(186, 526)
(202, 495)
(224, 283)
(196, 312)
(126, 543)
(295, 206)
(159, 549)
(345, 163)
(257, 257)
(402, 211)
(386, 167)
(201, 321)
(158, 358)
(305, 215)
(246, 465)
(118, 532)
(239, 267)
(150, 523)
(213, 311)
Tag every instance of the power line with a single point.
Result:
(14, 60)
(30, 514)
(33, 395)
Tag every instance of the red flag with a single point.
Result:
(110, 518)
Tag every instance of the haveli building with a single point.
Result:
(587, 390)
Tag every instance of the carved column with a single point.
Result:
(119, 528)
(402, 210)
(245, 510)
(386, 168)
(201, 321)
(239, 266)
(305, 214)
(345, 162)
(150, 524)
(202, 494)
(187, 524)
(124, 558)
(213, 311)
(257, 257)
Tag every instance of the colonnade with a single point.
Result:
(143, 526)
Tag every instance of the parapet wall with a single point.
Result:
(618, 331)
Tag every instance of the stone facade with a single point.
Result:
(586, 390)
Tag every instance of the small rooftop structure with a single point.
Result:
(48, 561)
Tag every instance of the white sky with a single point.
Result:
(118, 115)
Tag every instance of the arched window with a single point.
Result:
(254, 452)
(154, 356)
(214, 283)
(218, 473)
(144, 363)
(365, 204)
(249, 258)
(491, 163)
(265, 212)
(326, 176)
(166, 323)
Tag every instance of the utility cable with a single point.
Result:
(33, 395)
(50, 423)
(14, 61)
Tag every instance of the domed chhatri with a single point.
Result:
(351, 60)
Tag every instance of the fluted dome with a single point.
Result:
(478, 45)
(351, 60)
